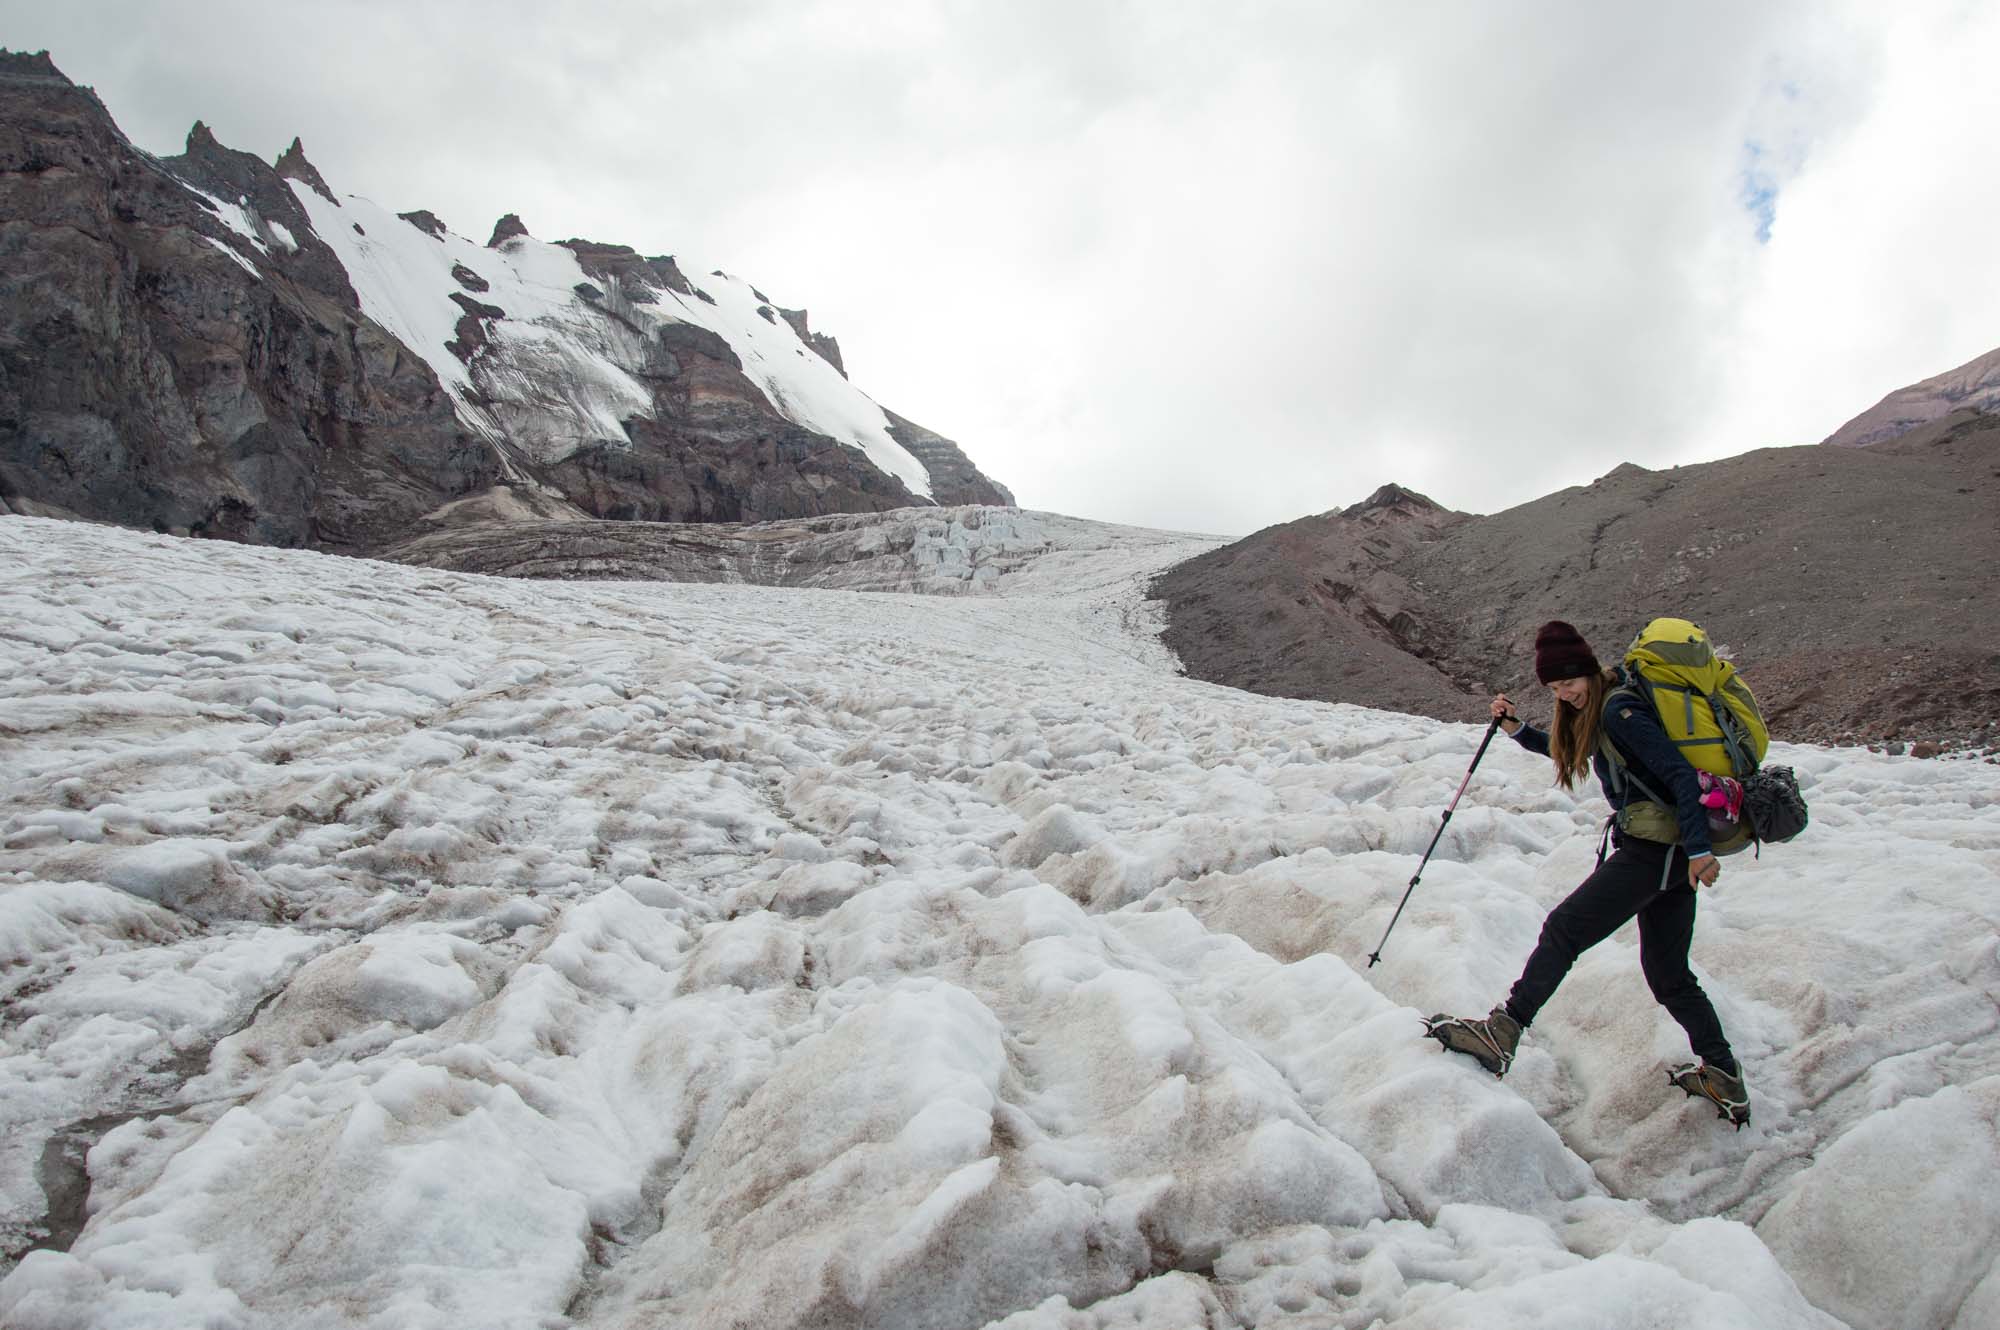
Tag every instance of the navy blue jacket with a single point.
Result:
(1634, 730)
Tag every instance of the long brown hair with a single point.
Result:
(1573, 736)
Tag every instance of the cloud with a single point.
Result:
(1184, 265)
(1879, 271)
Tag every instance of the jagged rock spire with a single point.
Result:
(294, 166)
(506, 229)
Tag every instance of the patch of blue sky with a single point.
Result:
(1757, 189)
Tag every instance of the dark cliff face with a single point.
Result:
(148, 376)
(181, 351)
(954, 479)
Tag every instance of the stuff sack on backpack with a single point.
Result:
(1772, 804)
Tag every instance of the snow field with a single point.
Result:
(412, 949)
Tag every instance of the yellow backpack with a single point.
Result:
(1706, 709)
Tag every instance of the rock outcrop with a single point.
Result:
(826, 347)
(292, 165)
(507, 228)
(954, 479)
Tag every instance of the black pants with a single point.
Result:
(1628, 884)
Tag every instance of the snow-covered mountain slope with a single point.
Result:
(382, 946)
(215, 344)
(558, 370)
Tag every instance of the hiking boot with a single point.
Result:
(1724, 1089)
(1492, 1040)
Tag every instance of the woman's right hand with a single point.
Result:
(1503, 711)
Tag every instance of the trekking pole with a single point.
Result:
(1376, 954)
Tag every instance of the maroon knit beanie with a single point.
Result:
(1561, 653)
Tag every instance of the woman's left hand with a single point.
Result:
(1702, 871)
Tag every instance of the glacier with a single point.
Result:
(382, 946)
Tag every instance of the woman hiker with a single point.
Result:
(1647, 878)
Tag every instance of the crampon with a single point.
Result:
(1718, 1087)
(1492, 1040)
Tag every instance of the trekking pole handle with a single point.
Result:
(1450, 808)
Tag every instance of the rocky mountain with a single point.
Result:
(211, 344)
(1852, 585)
(1319, 608)
(1973, 386)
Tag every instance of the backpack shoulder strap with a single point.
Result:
(1635, 687)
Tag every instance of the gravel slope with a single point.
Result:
(1852, 586)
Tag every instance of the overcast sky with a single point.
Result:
(1196, 265)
